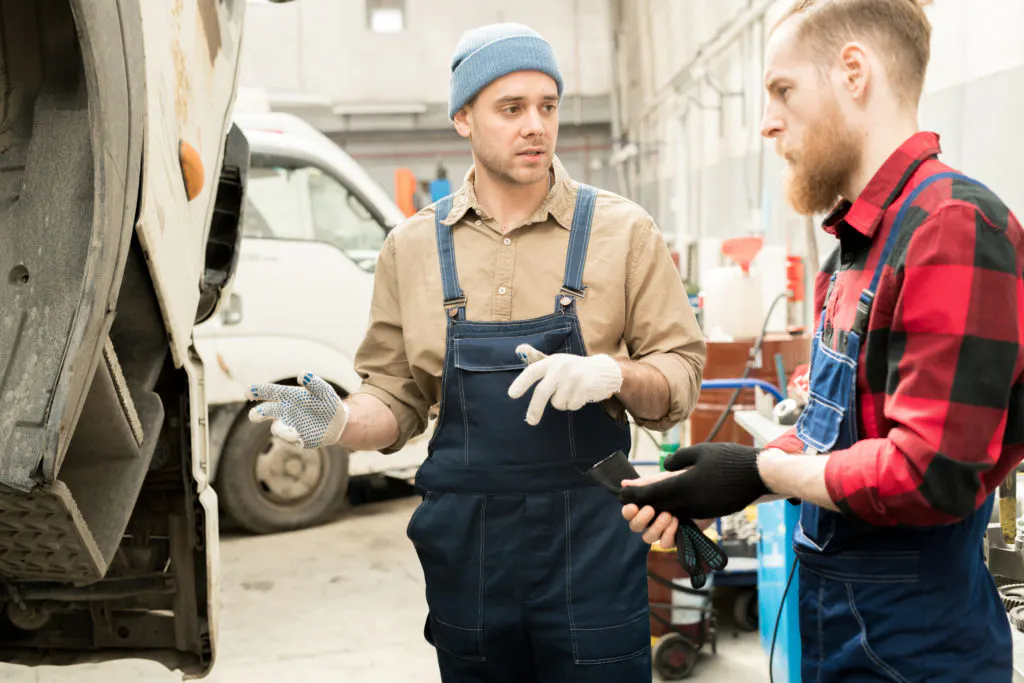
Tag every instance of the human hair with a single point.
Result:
(898, 29)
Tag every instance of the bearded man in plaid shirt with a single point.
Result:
(915, 411)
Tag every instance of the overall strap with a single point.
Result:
(454, 299)
(867, 296)
(579, 239)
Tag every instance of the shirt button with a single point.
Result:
(502, 290)
(507, 241)
(479, 222)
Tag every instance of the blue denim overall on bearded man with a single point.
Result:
(532, 573)
(888, 604)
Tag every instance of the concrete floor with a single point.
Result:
(343, 602)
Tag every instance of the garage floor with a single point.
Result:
(340, 602)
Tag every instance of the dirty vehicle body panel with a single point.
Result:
(108, 527)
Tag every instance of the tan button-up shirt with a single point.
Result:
(635, 305)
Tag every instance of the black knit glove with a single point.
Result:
(720, 479)
(697, 553)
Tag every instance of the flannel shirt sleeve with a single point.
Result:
(954, 354)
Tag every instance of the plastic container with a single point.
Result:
(733, 302)
(771, 264)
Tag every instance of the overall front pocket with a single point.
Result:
(863, 611)
(607, 580)
(447, 531)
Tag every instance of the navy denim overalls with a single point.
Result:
(888, 604)
(532, 573)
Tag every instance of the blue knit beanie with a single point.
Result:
(487, 53)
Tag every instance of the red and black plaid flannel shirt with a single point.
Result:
(940, 392)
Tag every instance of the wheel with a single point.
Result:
(744, 610)
(674, 658)
(1012, 595)
(1017, 618)
(267, 485)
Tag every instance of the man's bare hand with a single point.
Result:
(661, 530)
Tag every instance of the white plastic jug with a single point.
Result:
(732, 302)
(771, 263)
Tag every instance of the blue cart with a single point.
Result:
(776, 522)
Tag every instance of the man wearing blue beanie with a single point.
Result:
(527, 313)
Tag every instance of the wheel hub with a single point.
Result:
(294, 466)
(288, 474)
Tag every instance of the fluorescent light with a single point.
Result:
(387, 20)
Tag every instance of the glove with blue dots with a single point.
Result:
(310, 415)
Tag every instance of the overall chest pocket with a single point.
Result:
(498, 354)
(831, 409)
(495, 431)
(829, 420)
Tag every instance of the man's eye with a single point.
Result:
(511, 111)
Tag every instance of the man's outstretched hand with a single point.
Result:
(709, 480)
(310, 415)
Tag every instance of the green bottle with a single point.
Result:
(670, 443)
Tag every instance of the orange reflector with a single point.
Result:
(224, 366)
(191, 169)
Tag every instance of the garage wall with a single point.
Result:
(326, 49)
(688, 85)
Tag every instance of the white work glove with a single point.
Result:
(569, 382)
(310, 415)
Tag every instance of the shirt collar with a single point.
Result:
(865, 214)
(560, 201)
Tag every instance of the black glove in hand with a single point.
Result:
(696, 551)
(720, 479)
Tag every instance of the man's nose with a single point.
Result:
(771, 125)
(533, 123)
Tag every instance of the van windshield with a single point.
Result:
(304, 203)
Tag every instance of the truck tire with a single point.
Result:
(268, 486)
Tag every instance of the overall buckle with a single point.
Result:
(567, 295)
(575, 293)
(453, 305)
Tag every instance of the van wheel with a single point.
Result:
(268, 485)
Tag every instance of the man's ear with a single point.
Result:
(464, 121)
(856, 69)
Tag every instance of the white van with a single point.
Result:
(313, 225)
